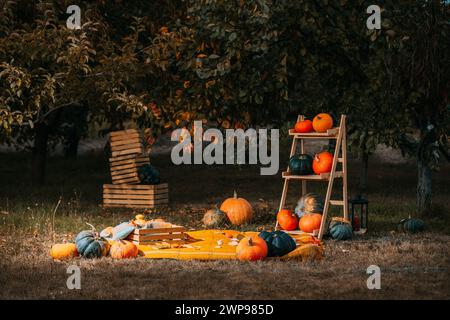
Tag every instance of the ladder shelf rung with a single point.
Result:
(299, 232)
(330, 134)
(320, 177)
(337, 202)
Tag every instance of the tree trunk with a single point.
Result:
(363, 174)
(76, 119)
(71, 143)
(424, 187)
(39, 154)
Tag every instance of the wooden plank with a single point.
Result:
(136, 192)
(127, 181)
(125, 176)
(344, 165)
(128, 157)
(127, 151)
(138, 187)
(330, 134)
(135, 201)
(337, 202)
(125, 137)
(159, 230)
(124, 142)
(135, 196)
(302, 151)
(130, 164)
(137, 206)
(330, 181)
(132, 169)
(122, 132)
(124, 169)
(322, 176)
(136, 145)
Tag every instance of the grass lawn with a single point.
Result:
(412, 266)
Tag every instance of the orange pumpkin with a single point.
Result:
(61, 251)
(304, 126)
(310, 222)
(322, 162)
(287, 220)
(251, 249)
(238, 210)
(322, 122)
(123, 249)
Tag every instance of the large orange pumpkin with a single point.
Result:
(310, 222)
(304, 126)
(61, 251)
(123, 249)
(287, 220)
(238, 210)
(322, 122)
(252, 249)
(322, 162)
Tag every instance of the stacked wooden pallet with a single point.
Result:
(127, 156)
(135, 196)
(173, 235)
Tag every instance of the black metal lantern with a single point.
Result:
(359, 213)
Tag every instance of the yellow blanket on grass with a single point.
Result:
(219, 245)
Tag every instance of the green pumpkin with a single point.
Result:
(148, 174)
(91, 245)
(214, 218)
(411, 225)
(301, 164)
(309, 203)
(341, 231)
(279, 243)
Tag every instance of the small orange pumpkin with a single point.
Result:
(322, 122)
(310, 222)
(123, 249)
(304, 126)
(238, 210)
(252, 249)
(61, 251)
(322, 162)
(287, 220)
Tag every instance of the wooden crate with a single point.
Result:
(125, 142)
(135, 196)
(173, 235)
(124, 169)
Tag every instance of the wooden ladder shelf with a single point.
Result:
(340, 157)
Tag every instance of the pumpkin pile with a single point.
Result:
(321, 123)
(278, 244)
(90, 244)
(305, 164)
(235, 210)
(307, 215)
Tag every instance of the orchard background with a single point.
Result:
(231, 64)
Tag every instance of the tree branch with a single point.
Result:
(61, 106)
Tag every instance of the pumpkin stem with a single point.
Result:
(235, 194)
(92, 227)
(250, 241)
